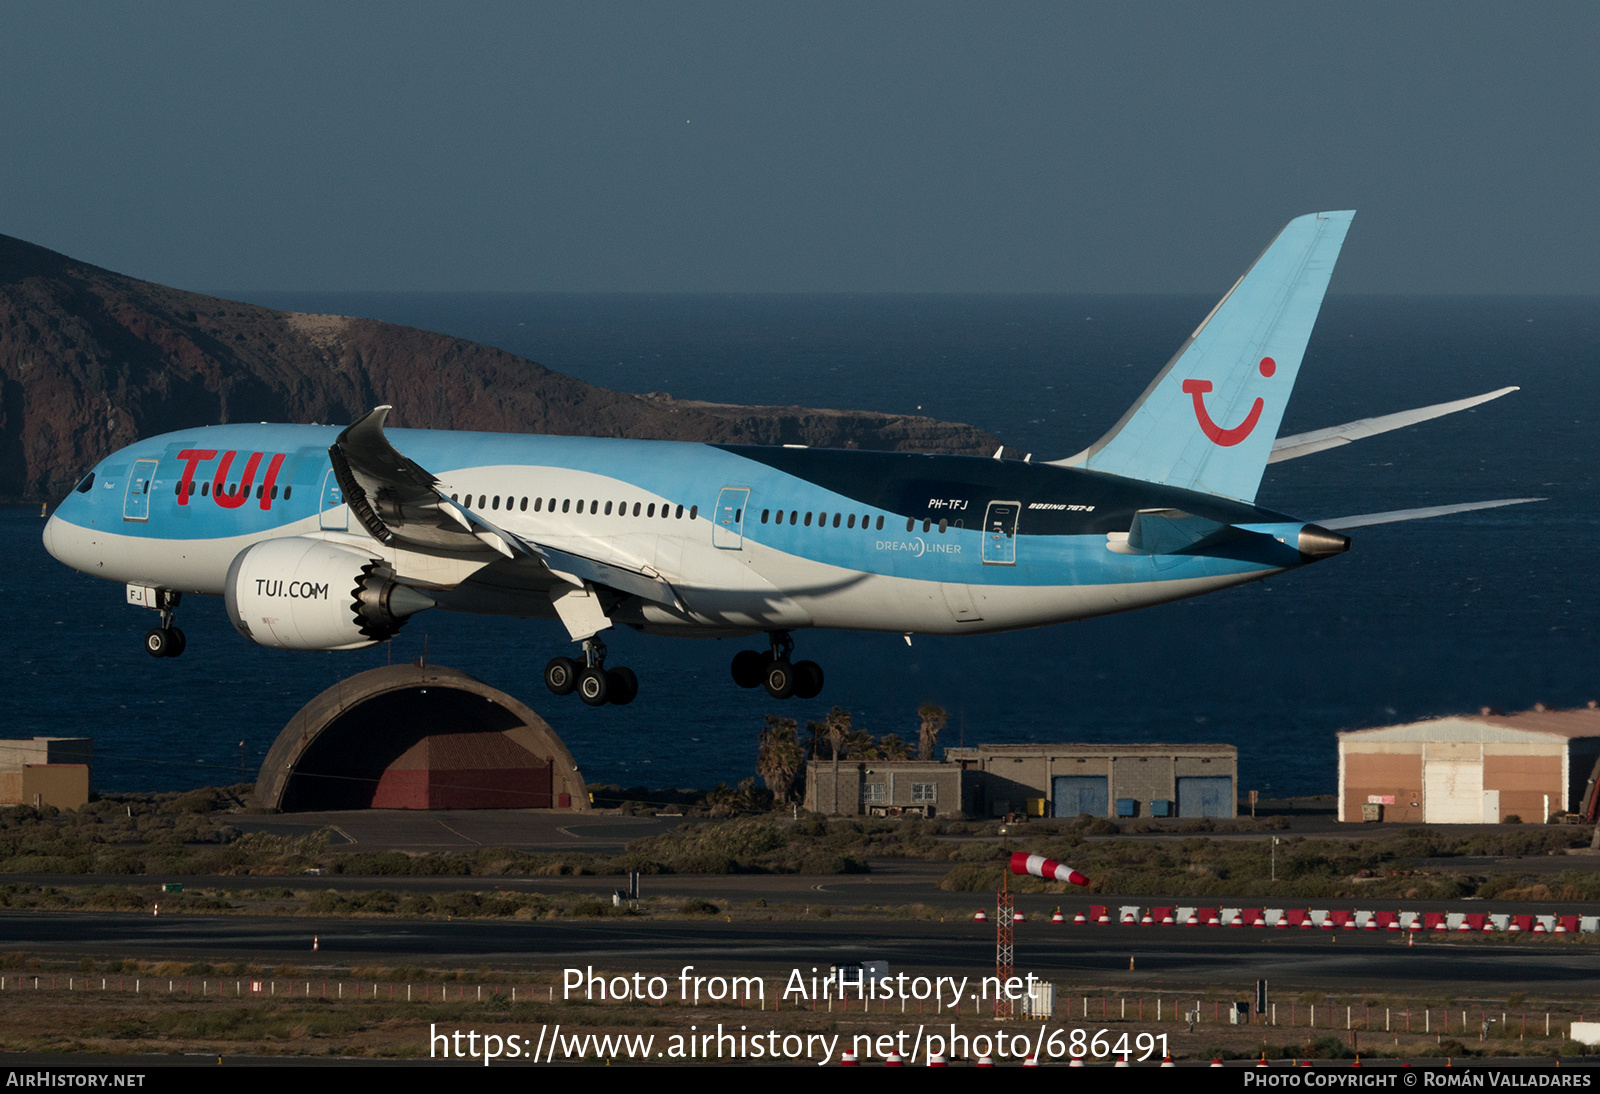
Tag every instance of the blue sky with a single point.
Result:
(757, 147)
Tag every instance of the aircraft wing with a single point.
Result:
(1319, 440)
(1367, 520)
(399, 503)
(395, 499)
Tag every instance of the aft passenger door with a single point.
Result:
(1000, 533)
(727, 529)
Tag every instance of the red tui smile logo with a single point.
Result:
(1227, 438)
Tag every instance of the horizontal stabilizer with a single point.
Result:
(1168, 531)
(1319, 440)
(1367, 520)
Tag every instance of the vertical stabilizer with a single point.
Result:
(1208, 420)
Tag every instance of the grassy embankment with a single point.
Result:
(187, 835)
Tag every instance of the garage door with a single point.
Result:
(1452, 792)
(1205, 796)
(1076, 794)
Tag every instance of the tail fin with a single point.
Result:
(1208, 420)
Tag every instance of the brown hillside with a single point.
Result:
(91, 360)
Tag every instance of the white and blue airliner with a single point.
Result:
(321, 538)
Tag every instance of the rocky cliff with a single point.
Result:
(91, 360)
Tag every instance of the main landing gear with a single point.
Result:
(165, 640)
(595, 684)
(775, 671)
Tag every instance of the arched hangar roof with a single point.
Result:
(405, 736)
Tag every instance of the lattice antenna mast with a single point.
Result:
(1005, 909)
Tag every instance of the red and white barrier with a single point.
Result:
(1452, 922)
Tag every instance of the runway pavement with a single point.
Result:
(1169, 959)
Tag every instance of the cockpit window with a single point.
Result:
(87, 484)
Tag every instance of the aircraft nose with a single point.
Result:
(51, 527)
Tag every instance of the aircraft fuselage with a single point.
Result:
(749, 538)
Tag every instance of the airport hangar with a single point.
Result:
(418, 737)
(1472, 769)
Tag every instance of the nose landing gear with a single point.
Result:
(774, 670)
(165, 640)
(595, 684)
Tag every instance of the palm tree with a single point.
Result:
(838, 726)
(778, 763)
(891, 746)
(934, 719)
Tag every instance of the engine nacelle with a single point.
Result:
(306, 594)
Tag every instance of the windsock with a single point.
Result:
(1049, 869)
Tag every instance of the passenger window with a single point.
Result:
(911, 523)
(483, 501)
(608, 508)
(765, 513)
(538, 505)
(566, 504)
(852, 521)
(927, 524)
(205, 489)
(680, 512)
(808, 519)
(650, 512)
(286, 490)
(274, 491)
(635, 508)
(496, 503)
(694, 511)
(836, 520)
(177, 490)
(944, 526)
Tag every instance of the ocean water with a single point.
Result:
(1486, 609)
